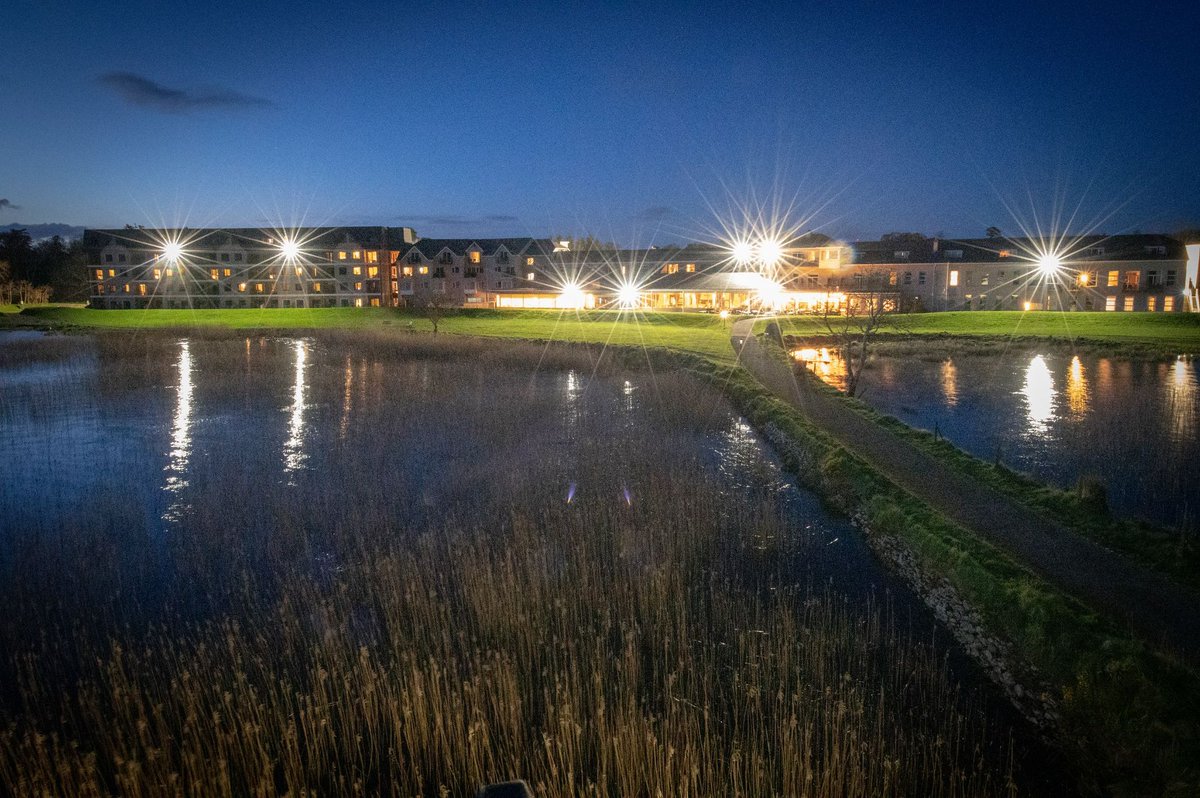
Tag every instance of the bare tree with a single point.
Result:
(855, 330)
(433, 306)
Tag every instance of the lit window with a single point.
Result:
(213, 273)
(158, 274)
(258, 288)
(395, 273)
(1084, 279)
(531, 276)
(142, 289)
(127, 288)
(954, 278)
(1151, 302)
(474, 257)
(356, 254)
(375, 302)
(99, 274)
(357, 270)
(1128, 303)
(408, 271)
(341, 256)
(112, 272)
(372, 271)
(1006, 253)
(1168, 304)
(227, 272)
(423, 270)
(299, 271)
(317, 287)
(1113, 279)
(671, 268)
(691, 267)
(529, 261)
(358, 302)
(242, 287)
(358, 286)
(372, 257)
(985, 279)
(1131, 280)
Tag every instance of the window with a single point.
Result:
(357, 271)
(954, 253)
(414, 257)
(985, 279)
(502, 257)
(121, 258)
(358, 286)
(258, 288)
(1132, 278)
(372, 271)
(237, 257)
(375, 302)
(213, 273)
(1170, 278)
(1005, 253)
(407, 271)
(112, 272)
(127, 288)
(920, 278)
(356, 254)
(1151, 302)
(1128, 303)
(1086, 278)
(1156, 250)
(1168, 304)
(475, 257)
(891, 278)
(529, 261)
(316, 288)
(901, 254)
(358, 302)
(99, 274)
(908, 278)
(395, 272)
(954, 278)
(108, 258)
(691, 267)
(671, 268)
(1114, 278)
(141, 289)
(423, 270)
(372, 257)
(158, 274)
(446, 257)
(341, 255)
(227, 272)
(225, 257)
(242, 287)
(1095, 252)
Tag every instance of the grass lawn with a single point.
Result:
(701, 333)
(1179, 330)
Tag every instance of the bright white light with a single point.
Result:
(629, 297)
(770, 294)
(724, 314)
(289, 248)
(770, 252)
(571, 297)
(1049, 264)
(743, 252)
(172, 251)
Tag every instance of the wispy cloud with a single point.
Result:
(655, 213)
(142, 91)
(460, 221)
(6, 204)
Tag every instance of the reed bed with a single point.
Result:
(420, 610)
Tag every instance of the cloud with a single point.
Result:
(6, 204)
(460, 221)
(138, 90)
(655, 213)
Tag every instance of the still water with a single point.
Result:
(1058, 416)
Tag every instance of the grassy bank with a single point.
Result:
(1172, 333)
(1130, 716)
(702, 333)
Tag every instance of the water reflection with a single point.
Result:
(827, 364)
(293, 447)
(1077, 389)
(348, 379)
(181, 432)
(1181, 400)
(950, 382)
(1039, 396)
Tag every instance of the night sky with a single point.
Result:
(636, 124)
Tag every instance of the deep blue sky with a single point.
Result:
(630, 122)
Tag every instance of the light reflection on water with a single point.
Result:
(181, 434)
(293, 447)
(1131, 423)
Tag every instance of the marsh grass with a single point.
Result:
(419, 610)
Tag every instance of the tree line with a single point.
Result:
(32, 273)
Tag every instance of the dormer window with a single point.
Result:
(1096, 252)
(954, 253)
(414, 257)
(1005, 253)
(446, 257)
(502, 256)
(901, 254)
(1156, 249)
(529, 261)
(475, 256)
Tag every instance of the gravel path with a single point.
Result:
(1161, 612)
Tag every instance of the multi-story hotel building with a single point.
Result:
(380, 266)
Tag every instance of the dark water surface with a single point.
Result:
(1059, 417)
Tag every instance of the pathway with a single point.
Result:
(1157, 609)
